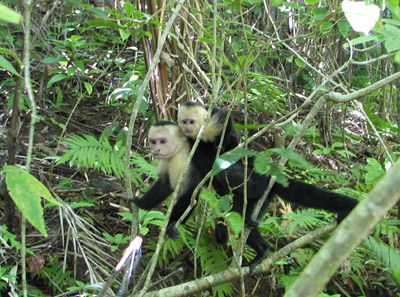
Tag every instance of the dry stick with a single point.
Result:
(215, 81)
(228, 275)
(28, 85)
(132, 120)
(339, 98)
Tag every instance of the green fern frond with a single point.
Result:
(88, 152)
(302, 219)
(143, 165)
(213, 260)
(387, 255)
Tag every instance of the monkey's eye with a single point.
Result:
(152, 141)
(192, 122)
(163, 140)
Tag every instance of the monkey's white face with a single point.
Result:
(189, 127)
(190, 121)
(162, 144)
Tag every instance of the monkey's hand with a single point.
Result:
(172, 231)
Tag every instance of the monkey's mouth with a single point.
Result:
(161, 156)
(188, 131)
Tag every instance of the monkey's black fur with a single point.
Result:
(298, 192)
(230, 181)
(162, 188)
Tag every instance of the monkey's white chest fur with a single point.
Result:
(174, 166)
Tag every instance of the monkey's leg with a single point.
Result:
(257, 242)
(181, 204)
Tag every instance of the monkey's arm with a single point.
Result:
(183, 201)
(157, 193)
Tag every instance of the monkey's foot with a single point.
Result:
(257, 260)
(172, 232)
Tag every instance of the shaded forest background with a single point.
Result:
(101, 72)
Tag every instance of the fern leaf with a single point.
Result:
(385, 254)
(87, 151)
(143, 165)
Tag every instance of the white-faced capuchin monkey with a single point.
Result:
(169, 144)
(230, 180)
(191, 116)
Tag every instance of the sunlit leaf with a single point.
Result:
(361, 16)
(88, 87)
(344, 28)
(8, 66)
(227, 159)
(9, 15)
(235, 221)
(26, 192)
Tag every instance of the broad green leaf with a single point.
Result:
(337, 144)
(239, 126)
(9, 15)
(344, 28)
(124, 34)
(362, 16)
(129, 9)
(50, 60)
(7, 52)
(397, 57)
(392, 45)
(210, 197)
(326, 26)
(372, 177)
(99, 12)
(154, 217)
(361, 39)
(317, 152)
(8, 66)
(263, 165)
(56, 78)
(227, 159)
(311, 2)
(392, 22)
(103, 23)
(300, 63)
(291, 155)
(26, 191)
(235, 221)
(88, 87)
(319, 13)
